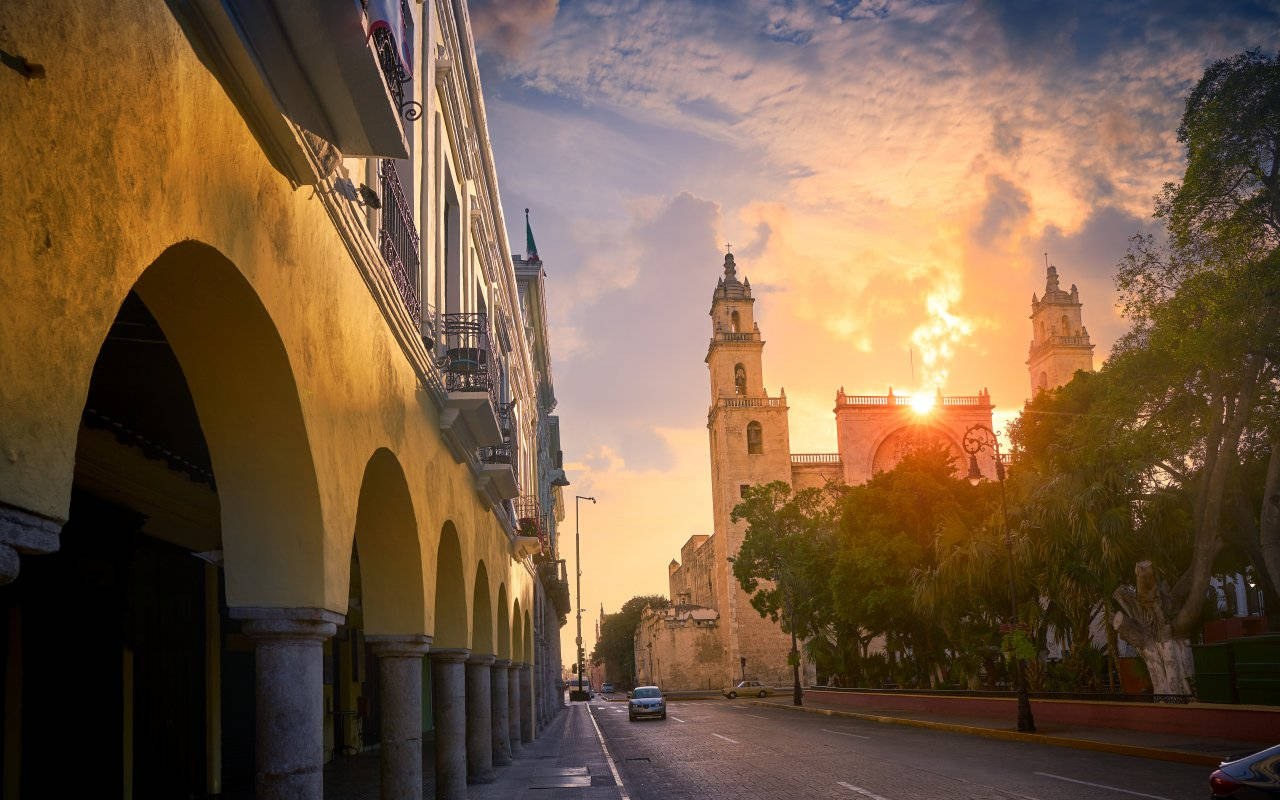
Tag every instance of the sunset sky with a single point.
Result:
(888, 172)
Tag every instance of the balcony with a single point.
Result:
(500, 463)
(531, 536)
(815, 458)
(398, 241)
(392, 61)
(470, 378)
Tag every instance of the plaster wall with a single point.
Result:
(142, 175)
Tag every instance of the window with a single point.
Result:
(1066, 326)
(734, 322)
(740, 379)
(755, 438)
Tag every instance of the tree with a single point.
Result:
(1199, 366)
(616, 645)
(782, 557)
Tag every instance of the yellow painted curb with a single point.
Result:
(1180, 756)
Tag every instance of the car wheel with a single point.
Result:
(664, 715)
(631, 717)
(732, 695)
(762, 693)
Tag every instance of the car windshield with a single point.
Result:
(648, 691)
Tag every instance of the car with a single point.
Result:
(749, 688)
(646, 701)
(606, 688)
(1248, 778)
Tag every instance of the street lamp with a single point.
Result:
(976, 438)
(577, 563)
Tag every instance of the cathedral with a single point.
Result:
(712, 636)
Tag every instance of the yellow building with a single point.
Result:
(274, 422)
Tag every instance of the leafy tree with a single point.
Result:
(616, 645)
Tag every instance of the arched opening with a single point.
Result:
(451, 593)
(755, 438)
(517, 633)
(482, 614)
(1066, 326)
(910, 438)
(528, 638)
(740, 380)
(193, 488)
(504, 623)
(735, 321)
(1042, 382)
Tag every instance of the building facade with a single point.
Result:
(275, 405)
(749, 445)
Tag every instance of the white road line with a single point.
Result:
(622, 789)
(757, 716)
(1102, 786)
(846, 733)
(861, 791)
(677, 719)
(726, 738)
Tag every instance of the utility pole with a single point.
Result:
(577, 563)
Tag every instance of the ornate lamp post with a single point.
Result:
(577, 565)
(976, 438)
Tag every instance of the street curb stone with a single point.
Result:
(1162, 754)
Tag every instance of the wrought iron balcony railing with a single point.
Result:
(529, 519)
(507, 452)
(399, 240)
(468, 361)
(393, 67)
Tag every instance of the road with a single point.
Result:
(720, 749)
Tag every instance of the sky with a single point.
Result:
(889, 173)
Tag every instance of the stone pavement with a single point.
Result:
(566, 762)
(1212, 749)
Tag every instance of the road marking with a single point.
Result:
(622, 788)
(726, 738)
(757, 716)
(846, 733)
(861, 791)
(1102, 786)
(677, 719)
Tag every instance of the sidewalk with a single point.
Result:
(1167, 747)
(567, 761)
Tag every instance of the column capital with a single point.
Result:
(288, 623)
(480, 659)
(458, 654)
(396, 645)
(501, 663)
(515, 665)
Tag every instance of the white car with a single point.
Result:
(646, 701)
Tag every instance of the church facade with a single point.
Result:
(750, 444)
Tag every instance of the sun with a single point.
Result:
(922, 403)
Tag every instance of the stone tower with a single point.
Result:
(749, 445)
(1059, 340)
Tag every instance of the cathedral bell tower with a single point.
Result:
(749, 445)
(1059, 340)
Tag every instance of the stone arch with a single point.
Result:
(888, 451)
(386, 538)
(517, 633)
(451, 593)
(735, 321)
(528, 638)
(504, 623)
(246, 397)
(1066, 325)
(482, 614)
(740, 379)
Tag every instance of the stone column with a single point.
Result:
(479, 720)
(400, 705)
(448, 705)
(499, 706)
(24, 532)
(289, 692)
(513, 708)
(526, 703)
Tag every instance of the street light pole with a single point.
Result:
(577, 565)
(976, 438)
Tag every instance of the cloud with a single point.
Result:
(509, 26)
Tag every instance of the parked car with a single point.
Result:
(1250, 778)
(606, 688)
(646, 701)
(749, 688)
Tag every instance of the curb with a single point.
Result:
(1161, 754)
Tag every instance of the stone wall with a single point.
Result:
(679, 648)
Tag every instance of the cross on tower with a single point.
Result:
(728, 248)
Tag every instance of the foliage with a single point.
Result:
(616, 645)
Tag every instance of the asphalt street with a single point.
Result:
(722, 749)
